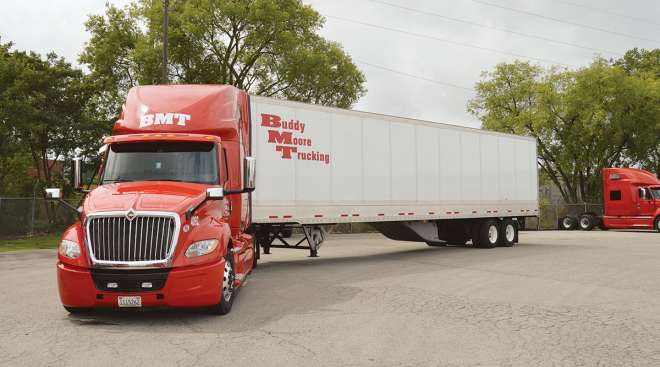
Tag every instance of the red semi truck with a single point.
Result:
(180, 217)
(631, 199)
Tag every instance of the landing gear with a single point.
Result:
(313, 235)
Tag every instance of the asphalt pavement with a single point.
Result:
(555, 299)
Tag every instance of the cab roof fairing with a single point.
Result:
(191, 109)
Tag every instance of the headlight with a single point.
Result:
(70, 249)
(200, 248)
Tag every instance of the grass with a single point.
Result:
(31, 243)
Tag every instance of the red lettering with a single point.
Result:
(286, 151)
(275, 136)
(270, 120)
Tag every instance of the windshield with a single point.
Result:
(656, 192)
(162, 161)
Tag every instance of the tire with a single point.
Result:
(77, 310)
(228, 292)
(567, 223)
(509, 233)
(255, 257)
(586, 222)
(657, 224)
(486, 234)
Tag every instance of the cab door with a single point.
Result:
(645, 203)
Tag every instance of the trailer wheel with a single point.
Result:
(487, 234)
(228, 291)
(586, 222)
(77, 310)
(567, 223)
(509, 233)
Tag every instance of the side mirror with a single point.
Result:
(212, 193)
(250, 173)
(53, 194)
(77, 173)
(215, 193)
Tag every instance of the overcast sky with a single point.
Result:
(436, 41)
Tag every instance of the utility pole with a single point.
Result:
(166, 20)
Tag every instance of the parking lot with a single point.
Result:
(556, 299)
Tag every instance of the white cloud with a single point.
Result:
(46, 25)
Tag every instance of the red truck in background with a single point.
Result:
(174, 220)
(631, 199)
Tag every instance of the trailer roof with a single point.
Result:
(390, 117)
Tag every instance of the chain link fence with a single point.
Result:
(21, 216)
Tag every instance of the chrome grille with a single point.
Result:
(145, 238)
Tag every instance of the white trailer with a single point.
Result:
(411, 179)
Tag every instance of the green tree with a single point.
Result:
(47, 115)
(583, 120)
(268, 47)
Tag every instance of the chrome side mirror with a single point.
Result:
(53, 193)
(215, 193)
(77, 173)
(250, 173)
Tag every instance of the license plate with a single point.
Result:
(129, 301)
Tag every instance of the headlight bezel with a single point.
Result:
(69, 249)
(201, 248)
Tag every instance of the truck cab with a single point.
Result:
(631, 199)
(166, 225)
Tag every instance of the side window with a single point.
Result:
(225, 167)
(615, 195)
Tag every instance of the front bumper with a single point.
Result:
(194, 286)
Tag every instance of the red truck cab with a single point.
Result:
(631, 199)
(166, 225)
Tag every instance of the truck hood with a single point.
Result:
(144, 196)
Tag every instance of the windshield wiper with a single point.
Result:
(116, 180)
(164, 179)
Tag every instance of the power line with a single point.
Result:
(447, 41)
(458, 20)
(414, 76)
(564, 21)
(638, 19)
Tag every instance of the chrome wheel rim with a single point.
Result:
(566, 222)
(509, 232)
(492, 234)
(228, 281)
(584, 222)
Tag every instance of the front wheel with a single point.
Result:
(228, 291)
(657, 224)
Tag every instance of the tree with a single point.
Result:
(268, 47)
(46, 113)
(583, 120)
